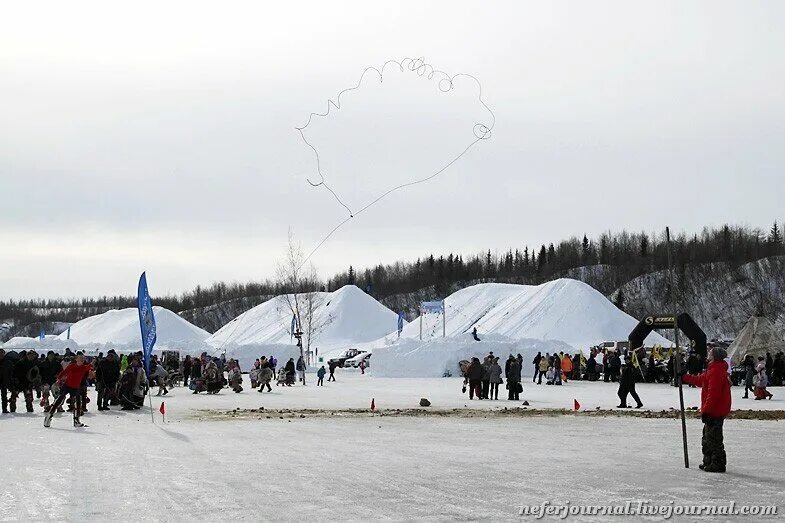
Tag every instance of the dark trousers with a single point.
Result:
(539, 375)
(712, 443)
(186, 375)
(320, 381)
(475, 387)
(623, 396)
(512, 392)
(494, 392)
(536, 372)
(4, 396)
(76, 396)
(28, 395)
(105, 393)
(331, 377)
(486, 384)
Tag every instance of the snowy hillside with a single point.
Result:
(121, 327)
(562, 310)
(343, 317)
(720, 297)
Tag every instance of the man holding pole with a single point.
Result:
(715, 406)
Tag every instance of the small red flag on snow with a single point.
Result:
(576, 405)
(373, 404)
(162, 408)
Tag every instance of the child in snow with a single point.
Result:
(762, 381)
(235, 377)
(254, 374)
(320, 374)
(282, 375)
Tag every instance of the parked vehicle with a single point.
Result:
(345, 355)
(355, 361)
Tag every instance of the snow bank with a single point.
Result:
(342, 318)
(58, 346)
(48, 343)
(121, 328)
(438, 357)
(562, 310)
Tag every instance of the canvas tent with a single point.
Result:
(758, 337)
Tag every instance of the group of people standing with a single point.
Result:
(556, 368)
(756, 376)
(482, 379)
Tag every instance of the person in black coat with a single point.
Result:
(6, 378)
(289, 368)
(27, 376)
(627, 386)
(50, 367)
(536, 363)
(106, 377)
(474, 376)
(513, 378)
(591, 369)
(187, 364)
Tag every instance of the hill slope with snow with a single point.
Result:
(562, 310)
(343, 317)
(121, 327)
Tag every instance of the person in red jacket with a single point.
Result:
(70, 381)
(715, 406)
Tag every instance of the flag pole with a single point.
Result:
(677, 364)
(150, 396)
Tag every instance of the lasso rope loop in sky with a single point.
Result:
(420, 67)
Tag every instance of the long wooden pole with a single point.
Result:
(677, 365)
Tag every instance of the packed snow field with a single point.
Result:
(376, 467)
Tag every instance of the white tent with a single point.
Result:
(758, 337)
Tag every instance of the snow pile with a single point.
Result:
(562, 310)
(341, 318)
(52, 343)
(438, 357)
(120, 328)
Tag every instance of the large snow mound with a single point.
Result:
(121, 328)
(437, 357)
(562, 310)
(341, 318)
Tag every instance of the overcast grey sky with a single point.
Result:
(160, 136)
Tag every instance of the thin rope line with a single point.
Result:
(446, 83)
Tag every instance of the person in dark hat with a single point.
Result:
(27, 377)
(6, 378)
(627, 386)
(715, 407)
(106, 377)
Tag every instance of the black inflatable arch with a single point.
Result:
(664, 321)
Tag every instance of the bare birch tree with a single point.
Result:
(299, 284)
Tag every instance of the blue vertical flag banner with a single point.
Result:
(69, 333)
(41, 334)
(400, 323)
(146, 321)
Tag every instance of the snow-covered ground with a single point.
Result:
(372, 467)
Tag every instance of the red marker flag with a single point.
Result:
(576, 405)
(162, 409)
(373, 404)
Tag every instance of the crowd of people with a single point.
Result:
(482, 379)
(59, 383)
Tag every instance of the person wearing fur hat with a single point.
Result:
(715, 407)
